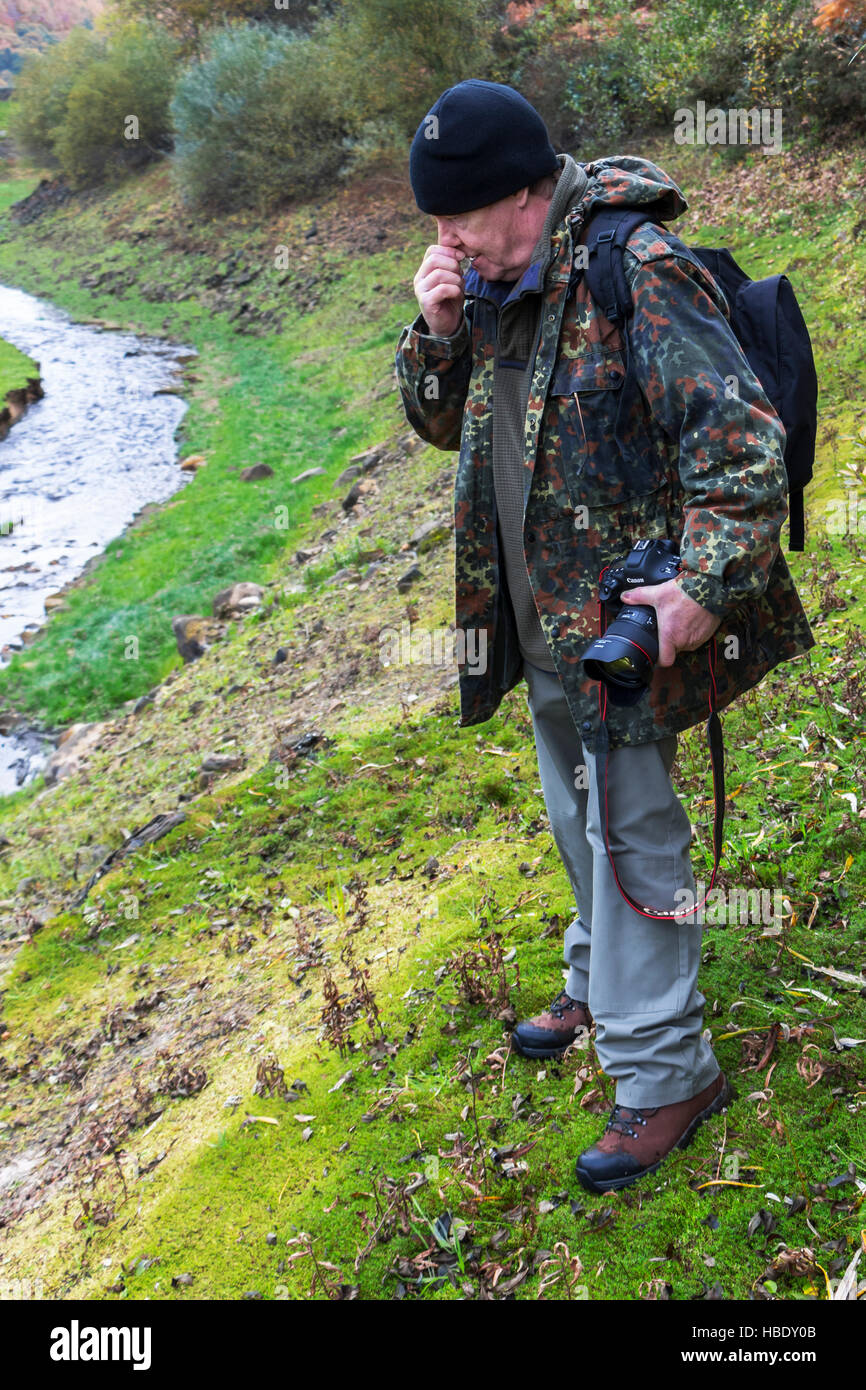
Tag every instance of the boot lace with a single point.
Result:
(563, 1002)
(621, 1125)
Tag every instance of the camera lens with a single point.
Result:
(622, 666)
(626, 654)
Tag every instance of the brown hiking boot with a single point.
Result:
(550, 1033)
(636, 1141)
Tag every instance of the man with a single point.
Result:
(561, 469)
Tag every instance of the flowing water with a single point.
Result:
(76, 467)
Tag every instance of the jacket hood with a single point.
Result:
(624, 180)
(620, 180)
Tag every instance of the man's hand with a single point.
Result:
(683, 624)
(439, 290)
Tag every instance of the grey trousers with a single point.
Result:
(639, 976)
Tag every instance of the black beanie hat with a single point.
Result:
(478, 142)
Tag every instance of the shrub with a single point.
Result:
(605, 95)
(117, 112)
(257, 121)
(392, 61)
(76, 101)
(728, 53)
(43, 89)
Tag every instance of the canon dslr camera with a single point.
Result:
(625, 656)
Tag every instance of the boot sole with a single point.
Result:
(527, 1050)
(716, 1106)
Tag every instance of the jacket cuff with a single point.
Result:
(430, 344)
(707, 590)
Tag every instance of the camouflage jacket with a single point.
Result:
(691, 458)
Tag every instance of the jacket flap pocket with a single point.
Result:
(590, 373)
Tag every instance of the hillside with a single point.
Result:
(265, 1054)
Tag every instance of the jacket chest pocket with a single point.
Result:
(594, 436)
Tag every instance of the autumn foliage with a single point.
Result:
(839, 14)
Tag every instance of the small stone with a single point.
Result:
(369, 458)
(308, 473)
(430, 534)
(194, 634)
(257, 471)
(237, 600)
(407, 579)
(344, 576)
(222, 762)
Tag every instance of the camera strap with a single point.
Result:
(715, 744)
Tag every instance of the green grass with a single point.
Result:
(15, 368)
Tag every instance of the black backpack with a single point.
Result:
(766, 320)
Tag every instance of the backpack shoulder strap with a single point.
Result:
(605, 236)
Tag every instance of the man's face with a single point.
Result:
(496, 236)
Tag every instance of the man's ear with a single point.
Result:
(522, 197)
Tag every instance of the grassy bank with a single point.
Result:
(268, 1055)
(15, 368)
(295, 400)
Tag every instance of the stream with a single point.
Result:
(75, 469)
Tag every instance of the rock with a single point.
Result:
(237, 600)
(192, 463)
(280, 655)
(430, 534)
(143, 701)
(302, 556)
(369, 458)
(368, 554)
(356, 492)
(76, 743)
(308, 473)
(223, 762)
(257, 471)
(155, 828)
(408, 579)
(322, 508)
(194, 634)
(411, 443)
(353, 471)
(347, 575)
(53, 602)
